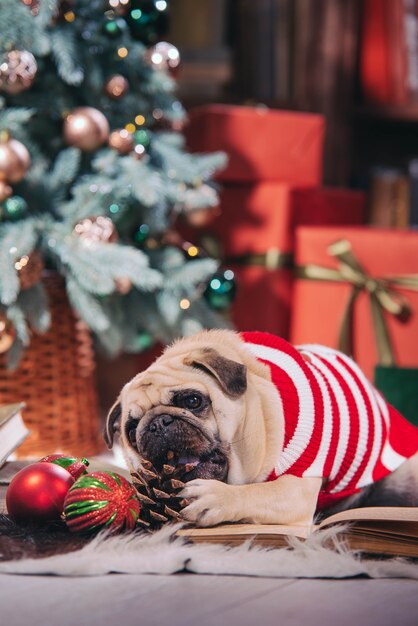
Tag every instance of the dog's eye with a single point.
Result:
(131, 427)
(192, 401)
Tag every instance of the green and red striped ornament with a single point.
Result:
(75, 466)
(101, 500)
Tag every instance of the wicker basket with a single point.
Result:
(56, 380)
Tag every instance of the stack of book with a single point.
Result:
(12, 430)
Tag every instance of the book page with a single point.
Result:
(12, 434)
(378, 513)
(247, 530)
(381, 530)
(7, 411)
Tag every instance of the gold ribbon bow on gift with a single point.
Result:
(381, 290)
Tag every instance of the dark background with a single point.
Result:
(294, 54)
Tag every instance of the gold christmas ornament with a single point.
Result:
(86, 128)
(5, 191)
(163, 56)
(116, 86)
(7, 334)
(14, 159)
(121, 141)
(96, 229)
(33, 5)
(29, 268)
(123, 285)
(17, 71)
(65, 11)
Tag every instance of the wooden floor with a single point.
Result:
(194, 600)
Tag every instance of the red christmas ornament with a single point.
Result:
(37, 493)
(75, 466)
(101, 500)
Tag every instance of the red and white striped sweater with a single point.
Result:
(337, 425)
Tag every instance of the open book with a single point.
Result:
(377, 530)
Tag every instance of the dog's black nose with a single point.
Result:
(160, 423)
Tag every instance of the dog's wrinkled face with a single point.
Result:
(184, 409)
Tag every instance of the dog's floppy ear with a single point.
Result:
(112, 423)
(231, 376)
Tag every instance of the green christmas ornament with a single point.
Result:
(101, 500)
(141, 234)
(113, 26)
(114, 208)
(147, 20)
(221, 289)
(143, 341)
(14, 208)
(142, 138)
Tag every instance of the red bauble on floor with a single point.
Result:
(37, 493)
(101, 500)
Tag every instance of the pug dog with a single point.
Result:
(271, 433)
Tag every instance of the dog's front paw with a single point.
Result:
(211, 502)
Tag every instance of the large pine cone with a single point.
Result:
(158, 493)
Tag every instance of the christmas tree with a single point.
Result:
(94, 173)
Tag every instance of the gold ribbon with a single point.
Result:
(271, 259)
(382, 292)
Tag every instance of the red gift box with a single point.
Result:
(256, 218)
(254, 236)
(319, 305)
(263, 299)
(328, 205)
(262, 144)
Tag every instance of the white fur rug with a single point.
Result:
(161, 553)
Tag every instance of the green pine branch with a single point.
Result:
(65, 52)
(87, 306)
(21, 30)
(64, 186)
(16, 240)
(35, 307)
(12, 120)
(191, 273)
